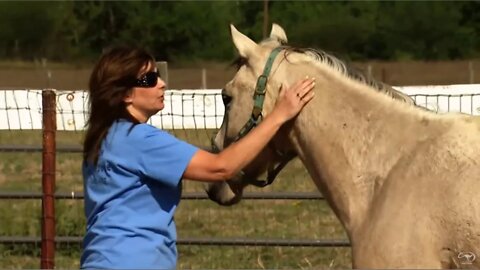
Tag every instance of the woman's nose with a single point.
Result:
(161, 83)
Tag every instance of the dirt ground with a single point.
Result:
(397, 74)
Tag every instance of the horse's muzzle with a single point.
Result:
(222, 194)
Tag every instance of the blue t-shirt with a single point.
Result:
(131, 197)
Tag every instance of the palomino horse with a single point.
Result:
(403, 181)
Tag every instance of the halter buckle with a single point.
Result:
(260, 87)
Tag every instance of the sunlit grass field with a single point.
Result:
(253, 219)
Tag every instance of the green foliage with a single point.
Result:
(26, 28)
(340, 27)
(198, 30)
(428, 30)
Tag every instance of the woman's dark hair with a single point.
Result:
(111, 79)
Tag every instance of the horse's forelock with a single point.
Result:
(273, 41)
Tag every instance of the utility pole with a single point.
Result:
(265, 18)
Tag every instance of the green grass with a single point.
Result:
(262, 257)
(265, 219)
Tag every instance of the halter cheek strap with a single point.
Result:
(256, 118)
(259, 96)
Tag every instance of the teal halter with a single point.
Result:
(259, 96)
(256, 118)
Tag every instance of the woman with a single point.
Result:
(132, 171)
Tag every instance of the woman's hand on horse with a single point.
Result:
(292, 100)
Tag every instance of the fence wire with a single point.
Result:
(286, 224)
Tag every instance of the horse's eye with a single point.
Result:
(226, 99)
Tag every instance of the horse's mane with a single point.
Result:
(351, 72)
(340, 66)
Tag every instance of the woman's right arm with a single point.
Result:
(206, 166)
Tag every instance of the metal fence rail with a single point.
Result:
(186, 196)
(200, 241)
(466, 103)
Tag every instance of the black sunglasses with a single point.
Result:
(149, 79)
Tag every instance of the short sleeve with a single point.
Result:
(164, 157)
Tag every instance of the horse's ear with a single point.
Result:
(245, 46)
(278, 33)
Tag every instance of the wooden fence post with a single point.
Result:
(162, 67)
(471, 72)
(204, 78)
(49, 127)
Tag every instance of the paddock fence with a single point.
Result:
(45, 127)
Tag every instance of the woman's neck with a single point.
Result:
(137, 115)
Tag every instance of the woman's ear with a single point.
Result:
(128, 98)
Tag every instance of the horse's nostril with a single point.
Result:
(210, 193)
(213, 193)
(218, 193)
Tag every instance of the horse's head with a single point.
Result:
(257, 77)
(251, 94)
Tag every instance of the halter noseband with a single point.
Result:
(256, 118)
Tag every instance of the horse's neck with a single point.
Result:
(349, 141)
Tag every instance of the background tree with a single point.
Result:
(342, 27)
(178, 31)
(26, 29)
(423, 30)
